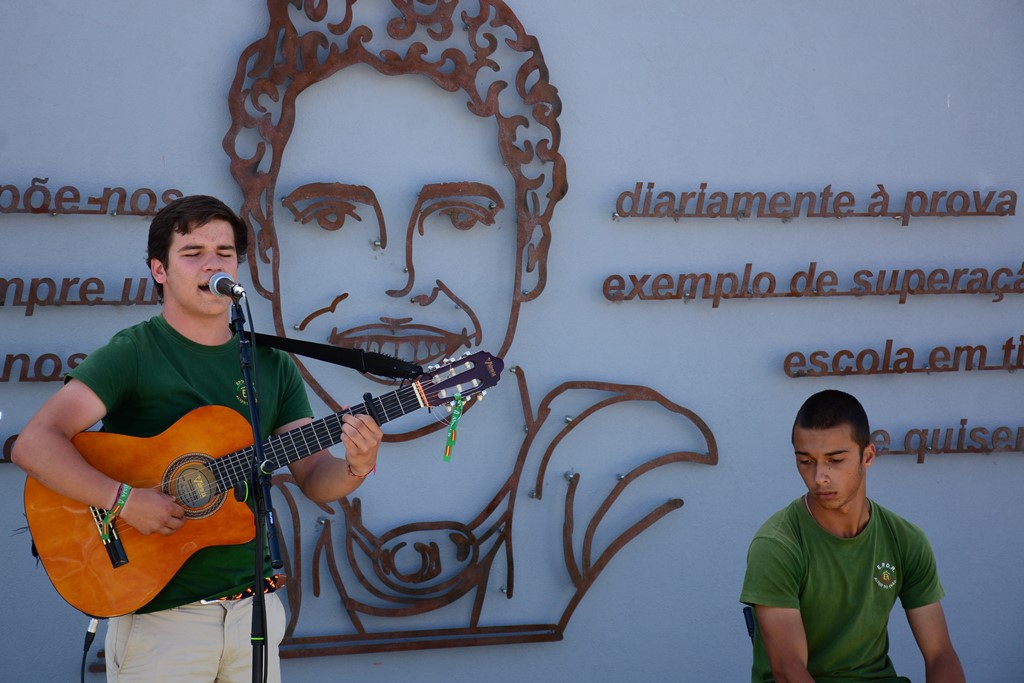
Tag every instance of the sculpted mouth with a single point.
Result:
(419, 344)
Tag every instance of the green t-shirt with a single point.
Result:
(148, 376)
(845, 588)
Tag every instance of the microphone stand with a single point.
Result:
(259, 485)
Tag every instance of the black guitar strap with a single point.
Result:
(368, 362)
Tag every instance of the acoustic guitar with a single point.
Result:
(199, 460)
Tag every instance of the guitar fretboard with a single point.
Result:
(284, 449)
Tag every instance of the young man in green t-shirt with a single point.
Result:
(140, 384)
(824, 572)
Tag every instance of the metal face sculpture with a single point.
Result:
(480, 59)
(423, 135)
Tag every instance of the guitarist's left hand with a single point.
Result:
(361, 437)
(324, 478)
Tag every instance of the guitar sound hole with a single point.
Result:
(194, 486)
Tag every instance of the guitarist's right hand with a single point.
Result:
(151, 511)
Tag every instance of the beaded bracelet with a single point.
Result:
(360, 476)
(122, 497)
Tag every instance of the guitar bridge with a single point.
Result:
(112, 543)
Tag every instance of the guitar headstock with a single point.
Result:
(467, 376)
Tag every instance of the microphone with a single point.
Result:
(222, 284)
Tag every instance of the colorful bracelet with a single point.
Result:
(122, 497)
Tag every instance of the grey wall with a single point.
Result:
(742, 95)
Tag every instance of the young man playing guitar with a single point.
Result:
(197, 628)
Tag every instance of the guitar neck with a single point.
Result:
(283, 449)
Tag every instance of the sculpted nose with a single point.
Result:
(409, 289)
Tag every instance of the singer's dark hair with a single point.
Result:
(831, 408)
(184, 215)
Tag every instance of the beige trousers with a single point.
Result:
(194, 642)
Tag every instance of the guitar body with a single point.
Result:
(67, 537)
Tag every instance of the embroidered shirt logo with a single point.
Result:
(885, 575)
(240, 393)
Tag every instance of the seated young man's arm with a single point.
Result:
(942, 665)
(785, 642)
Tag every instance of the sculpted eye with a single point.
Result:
(329, 214)
(464, 204)
(329, 205)
(463, 213)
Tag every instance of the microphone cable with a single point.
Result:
(90, 635)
